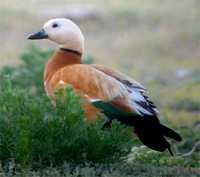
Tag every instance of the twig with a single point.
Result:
(193, 149)
(176, 149)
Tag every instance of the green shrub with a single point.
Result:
(29, 74)
(34, 132)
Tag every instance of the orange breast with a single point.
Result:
(60, 72)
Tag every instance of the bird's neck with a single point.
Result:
(74, 43)
(60, 59)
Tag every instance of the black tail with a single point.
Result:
(147, 127)
(150, 132)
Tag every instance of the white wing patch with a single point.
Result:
(92, 100)
(61, 82)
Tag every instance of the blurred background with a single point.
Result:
(155, 42)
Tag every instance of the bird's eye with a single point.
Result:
(55, 25)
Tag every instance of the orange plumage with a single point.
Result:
(103, 89)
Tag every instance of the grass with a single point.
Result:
(117, 170)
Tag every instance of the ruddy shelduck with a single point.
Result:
(103, 89)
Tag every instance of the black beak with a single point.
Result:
(39, 35)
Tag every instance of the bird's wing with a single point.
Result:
(136, 90)
(125, 79)
(122, 92)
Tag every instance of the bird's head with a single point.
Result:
(62, 31)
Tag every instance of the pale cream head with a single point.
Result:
(65, 33)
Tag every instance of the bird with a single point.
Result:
(103, 89)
